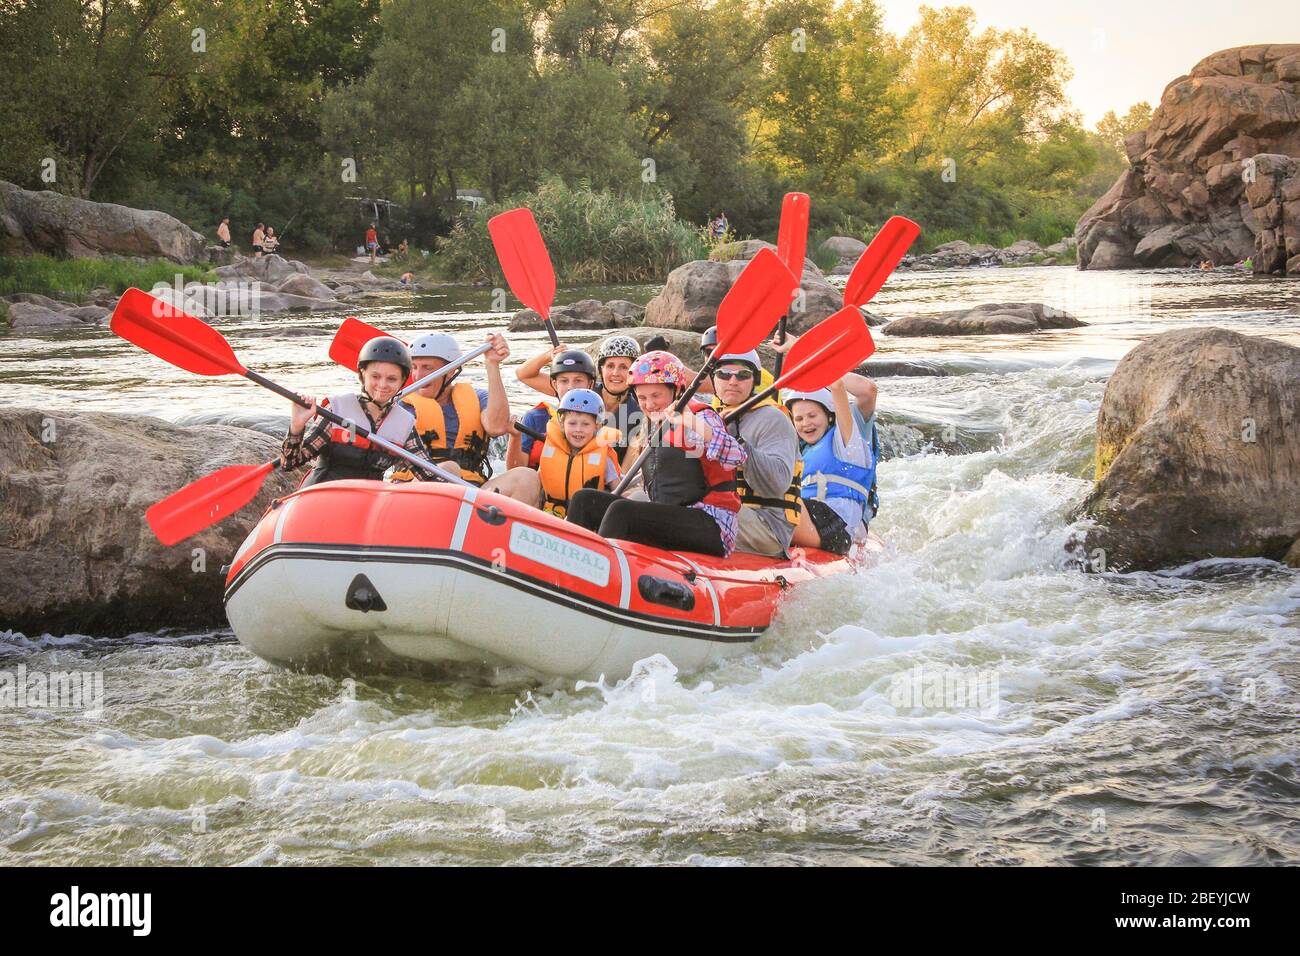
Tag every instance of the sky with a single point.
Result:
(1125, 51)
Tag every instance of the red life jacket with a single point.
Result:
(675, 477)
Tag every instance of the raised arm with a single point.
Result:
(531, 374)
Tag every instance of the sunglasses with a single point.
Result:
(740, 374)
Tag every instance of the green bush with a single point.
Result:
(593, 237)
(72, 278)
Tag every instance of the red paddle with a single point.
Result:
(825, 354)
(188, 343)
(525, 262)
(879, 259)
(759, 296)
(203, 503)
(352, 335)
(791, 243)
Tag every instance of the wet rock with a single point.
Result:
(26, 315)
(1198, 452)
(271, 269)
(52, 223)
(995, 318)
(306, 286)
(75, 552)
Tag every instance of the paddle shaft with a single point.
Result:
(532, 433)
(681, 403)
(396, 450)
(445, 370)
(780, 340)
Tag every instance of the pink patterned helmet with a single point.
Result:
(659, 368)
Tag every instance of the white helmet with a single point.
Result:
(437, 345)
(749, 358)
(821, 396)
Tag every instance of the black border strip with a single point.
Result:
(475, 565)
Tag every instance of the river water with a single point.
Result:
(970, 700)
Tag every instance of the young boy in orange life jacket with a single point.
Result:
(578, 453)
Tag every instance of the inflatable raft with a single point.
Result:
(437, 573)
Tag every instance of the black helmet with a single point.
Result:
(573, 360)
(709, 340)
(385, 348)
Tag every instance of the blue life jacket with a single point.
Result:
(825, 476)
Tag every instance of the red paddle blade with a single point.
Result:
(524, 260)
(879, 259)
(792, 234)
(828, 351)
(752, 306)
(172, 335)
(203, 503)
(349, 339)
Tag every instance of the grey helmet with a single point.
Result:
(709, 340)
(437, 345)
(385, 348)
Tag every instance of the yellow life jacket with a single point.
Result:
(790, 499)
(470, 450)
(564, 471)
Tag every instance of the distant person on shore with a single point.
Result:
(372, 242)
(223, 233)
(1246, 263)
(402, 249)
(259, 236)
(407, 281)
(1206, 265)
(719, 226)
(269, 243)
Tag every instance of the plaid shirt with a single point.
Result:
(725, 450)
(298, 450)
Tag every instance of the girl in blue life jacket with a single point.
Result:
(839, 450)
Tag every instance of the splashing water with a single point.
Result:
(973, 699)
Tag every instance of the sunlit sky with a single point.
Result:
(1124, 51)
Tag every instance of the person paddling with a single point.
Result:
(688, 476)
(768, 482)
(383, 367)
(578, 452)
(456, 421)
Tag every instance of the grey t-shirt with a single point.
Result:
(773, 447)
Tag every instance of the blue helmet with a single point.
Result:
(582, 400)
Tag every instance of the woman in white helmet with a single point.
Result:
(838, 450)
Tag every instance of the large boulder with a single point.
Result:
(28, 316)
(842, 247)
(1211, 176)
(75, 552)
(992, 318)
(1198, 452)
(694, 290)
(55, 224)
(305, 285)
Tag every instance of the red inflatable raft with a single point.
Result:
(437, 573)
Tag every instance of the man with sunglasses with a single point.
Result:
(768, 482)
